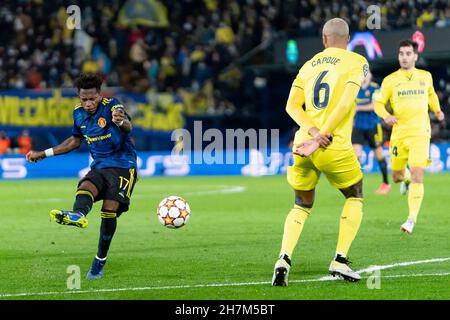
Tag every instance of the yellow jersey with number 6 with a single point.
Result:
(323, 79)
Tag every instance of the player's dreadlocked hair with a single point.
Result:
(89, 81)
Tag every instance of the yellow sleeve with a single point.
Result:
(384, 94)
(343, 107)
(433, 99)
(294, 105)
(358, 72)
(298, 81)
(381, 98)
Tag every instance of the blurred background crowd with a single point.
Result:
(196, 46)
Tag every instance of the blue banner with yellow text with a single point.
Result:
(53, 109)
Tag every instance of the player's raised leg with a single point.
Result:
(350, 222)
(107, 230)
(399, 152)
(404, 178)
(84, 200)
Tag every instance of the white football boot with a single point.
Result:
(408, 226)
(281, 271)
(339, 267)
(404, 187)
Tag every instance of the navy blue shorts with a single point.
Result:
(113, 184)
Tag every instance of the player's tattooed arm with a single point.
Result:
(66, 146)
(120, 119)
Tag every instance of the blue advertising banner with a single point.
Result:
(245, 163)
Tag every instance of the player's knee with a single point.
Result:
(88, 186)
(110, 206)
(379, 154)
(417, 175)
(397, 176)
(304, 203)
(354, 191)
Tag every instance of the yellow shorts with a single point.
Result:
(414, 151)
(341, 167)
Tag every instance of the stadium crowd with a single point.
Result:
(198, 52)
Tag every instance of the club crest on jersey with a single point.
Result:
(422, 83)
(366, 70)
(101, 122)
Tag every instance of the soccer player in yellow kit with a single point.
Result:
(410, 91)
(327, 85)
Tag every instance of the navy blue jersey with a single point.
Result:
(108, 145)
(366, 119)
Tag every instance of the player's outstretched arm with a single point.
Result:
(66, 146)
(343, 107)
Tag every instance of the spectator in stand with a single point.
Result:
(5, 143)
(24, 141)
(426, 18)
(203, 39)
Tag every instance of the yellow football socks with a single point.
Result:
(415, 196)
(293, 227)
(350, 221)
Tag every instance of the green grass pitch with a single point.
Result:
(228, 248)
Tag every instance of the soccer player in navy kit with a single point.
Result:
(367, 128)
(105, 126)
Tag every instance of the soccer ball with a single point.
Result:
(173, 212)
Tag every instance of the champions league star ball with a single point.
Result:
(173, 212)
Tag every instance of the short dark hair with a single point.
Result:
(409, 43)
(89, 81)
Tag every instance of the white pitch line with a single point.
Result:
(238, 284)
(224, 189)
(322, 279)
(389, 266)
(229, 189)
(402, 264)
